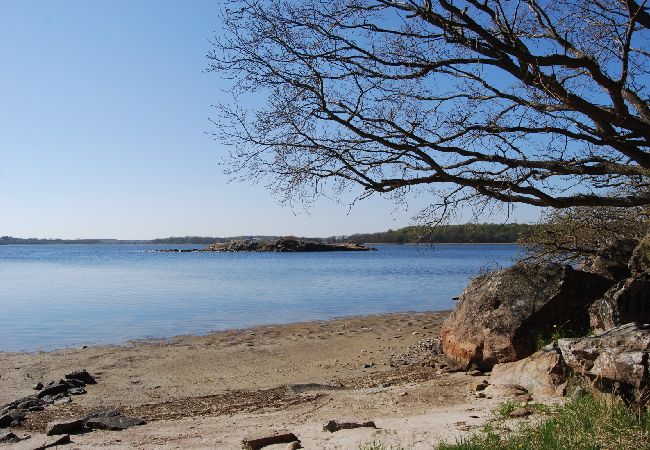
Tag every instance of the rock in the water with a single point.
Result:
(64, 427)
(113, 423)
(617, 360)
(612, 261)
(625, 302)
(500, 315)
(81, 375)
(542, 373)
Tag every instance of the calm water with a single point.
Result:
(53, 296)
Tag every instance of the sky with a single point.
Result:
(105, 131)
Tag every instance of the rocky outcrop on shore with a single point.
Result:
(502, 315)
(278, 245)
(598, 320)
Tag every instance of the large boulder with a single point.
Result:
(612, 260)
(626, 301)
(501, 315)
(616, 361)
(543, 373)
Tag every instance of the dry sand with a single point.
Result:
(210, 392)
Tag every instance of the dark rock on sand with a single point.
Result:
(52, 390)
(65, 427)
(81, 375)
(111, 420)
(500, 315)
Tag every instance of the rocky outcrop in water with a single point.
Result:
(278, 245)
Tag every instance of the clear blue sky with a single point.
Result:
(103, 125)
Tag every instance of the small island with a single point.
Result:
(277, 245)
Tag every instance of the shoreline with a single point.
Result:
(161, 340)
(211, 391)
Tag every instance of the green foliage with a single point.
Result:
(583, 423)
(469, 233)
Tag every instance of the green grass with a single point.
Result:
(505, 408)
(581, 424)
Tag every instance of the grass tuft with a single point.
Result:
(581, 424)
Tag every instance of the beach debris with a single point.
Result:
(336, 425)
(255, 443)
(54, 441)
(64, 427)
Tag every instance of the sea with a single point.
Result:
(58, 296)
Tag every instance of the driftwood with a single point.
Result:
(335, 425)
(259, 442)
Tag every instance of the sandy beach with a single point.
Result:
(212, 391)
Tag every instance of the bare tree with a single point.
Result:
(543, 102)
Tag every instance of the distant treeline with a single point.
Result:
(6, 240)
(470, 233)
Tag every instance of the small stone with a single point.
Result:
(53, 389)
(38, 386)
(480, 387)
(64, 427)
(368, 365)
(77, 391)
(402, 394)
(113, 423)
(520, 412)
(294, 445)
(480, 395)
